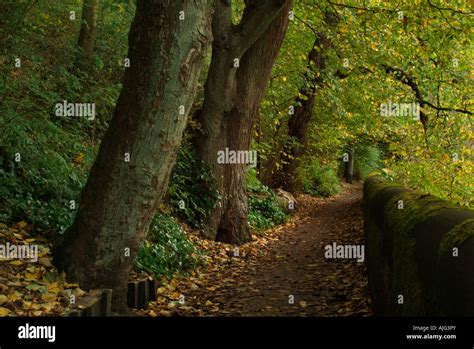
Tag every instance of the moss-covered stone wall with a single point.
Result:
(419, 252)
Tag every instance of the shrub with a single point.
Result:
(320, 180)
(167, 250)
(192, 183)
(56, 152)
(366, 160)
(40, 186)
(264, 211)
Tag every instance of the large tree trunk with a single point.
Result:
(120, 197)
(231, 103)
(88, 31)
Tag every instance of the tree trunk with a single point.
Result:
(231, 103)
(88, 31)
(120, 197)
(349, 166)
(298, 123)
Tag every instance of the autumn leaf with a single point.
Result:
(21, 224)
(79, 159)
(4, 311)
(45, 262)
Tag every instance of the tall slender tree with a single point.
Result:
(88, 31)
(298, 122)
(167, 43)
(242, 59)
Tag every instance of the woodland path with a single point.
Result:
(293, 263)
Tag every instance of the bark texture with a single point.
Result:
(298, 123)
(120, 197)
(242, 59)
(88, 31)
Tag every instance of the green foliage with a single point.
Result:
(167, 250)
(56, 152)
(429, 44)
(320, 180)
(264, 211)
(192, 183)
(40, 186)
(367, 159)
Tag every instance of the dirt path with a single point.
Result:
(293, 267)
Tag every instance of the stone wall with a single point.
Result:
(419, 252)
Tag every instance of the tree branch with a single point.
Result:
(408, 80)
(449, 9)
(405, 79)
(221, 23)
(374, 10)
(257, 17)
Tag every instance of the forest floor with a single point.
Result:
(282, 272)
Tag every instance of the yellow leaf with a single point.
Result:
(14, 296)
(27, 304)
(3, 299)
(48, 306)
(79, 159)
(21, 224)
(4, 311)
(53, 287)
(49, 297)
(303, 304)
(32, 276)
(175, 295)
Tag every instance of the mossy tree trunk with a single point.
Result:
(130, 174)
(242, 59)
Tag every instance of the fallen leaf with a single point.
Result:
(12, 297)
(21, 224)
(4, 311)
(303, 304)
(34, 287)
(16, 262)
(45, 262)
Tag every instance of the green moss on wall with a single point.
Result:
(375, 184)
(456, 237)
(397, 236)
